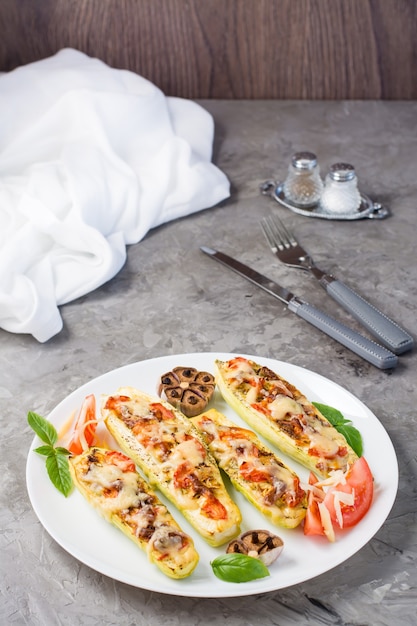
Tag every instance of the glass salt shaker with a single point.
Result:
(341, 193)
(303, 185)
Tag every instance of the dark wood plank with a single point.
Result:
(285, 49)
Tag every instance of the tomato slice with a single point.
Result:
(161, 412)
(112, 402)
(182, 478)
(359, 481)
(235, 432)
(213, 508)
(121, 460)
(312, 520)
(85, 427)
(253, 474)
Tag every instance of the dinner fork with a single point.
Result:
(288, 250)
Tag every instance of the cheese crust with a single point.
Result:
(270, 485)
(173, 455)
(282, 414)
(109, 482)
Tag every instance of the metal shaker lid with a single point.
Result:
(342, 172)
(304, 160)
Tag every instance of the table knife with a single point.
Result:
(372, 352)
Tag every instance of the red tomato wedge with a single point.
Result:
(342, 505)
(312, 520)
(85, 427)
(359, 481)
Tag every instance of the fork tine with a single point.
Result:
(284, 233)
(266, 229)
(284, 245)
(289, 233)
(279, 234)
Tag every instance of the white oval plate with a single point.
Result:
(78, 528)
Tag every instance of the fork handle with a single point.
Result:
(357, 343)
(379, 325)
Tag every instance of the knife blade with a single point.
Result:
(372, 352)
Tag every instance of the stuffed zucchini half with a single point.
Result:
(108, 480)
(271, 486)
(282, 414)
(173, 455)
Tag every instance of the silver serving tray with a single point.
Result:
(367, 209)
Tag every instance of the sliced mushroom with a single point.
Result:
(260, 544)
(187, 389)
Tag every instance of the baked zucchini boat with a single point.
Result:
(282, 414)
(108, 480)
(270, 485)
(173, 455)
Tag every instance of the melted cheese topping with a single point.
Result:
(252, 394)
(324, 444)
(235, 447)
(165, 541)
(189, 450)
(244, 367)
(167, 430)
(122, 493)
(181, 461)
(168, 440)
(317, 434)
(283, 406)
(110, 477)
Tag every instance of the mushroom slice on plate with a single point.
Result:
(260, 544)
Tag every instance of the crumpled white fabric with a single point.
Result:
(91, 158)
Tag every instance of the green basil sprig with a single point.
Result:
(238, 568)
(56, 457)
(343, 426)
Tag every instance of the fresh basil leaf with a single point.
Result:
(238, 568)
(330, 413)
(45, 450)
(63, 451)
(352, 436)
(343, 426)
(44, 429)
(57, 466)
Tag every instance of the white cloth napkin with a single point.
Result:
(91, 158)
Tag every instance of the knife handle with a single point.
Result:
(378, 324)
(365, 348)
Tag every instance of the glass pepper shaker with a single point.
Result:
(341, 193)
(303, 185)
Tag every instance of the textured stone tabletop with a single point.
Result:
(169, 298)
